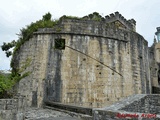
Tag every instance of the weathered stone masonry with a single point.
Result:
(101, 63)
(145, 106)
(12, 109)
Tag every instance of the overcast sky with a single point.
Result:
(15, 14)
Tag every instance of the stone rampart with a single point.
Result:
(12, 109)
(134, 107)
(99, 64)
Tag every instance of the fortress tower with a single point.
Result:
(84, 62)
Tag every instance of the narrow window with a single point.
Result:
(60, 44)
(158, 77)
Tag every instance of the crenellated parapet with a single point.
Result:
(129, 24)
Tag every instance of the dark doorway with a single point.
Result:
(158, 77)
(34, 98)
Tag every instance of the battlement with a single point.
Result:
(91, 26)
(92, 23)
(130, 24)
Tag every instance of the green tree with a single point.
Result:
(5, 84)
(47, 16)
(7, 46)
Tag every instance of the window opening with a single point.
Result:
(60, 44)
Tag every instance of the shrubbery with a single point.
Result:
(5, 84)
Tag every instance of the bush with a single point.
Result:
(5, 84)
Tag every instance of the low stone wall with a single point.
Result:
(12, 109)
(8, 104)
(135, 107)
(147, 104)
(72, 108)
(140, 106)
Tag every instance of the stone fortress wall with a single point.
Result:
(102, 62)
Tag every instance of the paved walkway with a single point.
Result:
(47, 114)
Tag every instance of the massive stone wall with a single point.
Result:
(100, 64)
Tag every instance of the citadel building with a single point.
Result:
(98, 67)
(88, 63)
